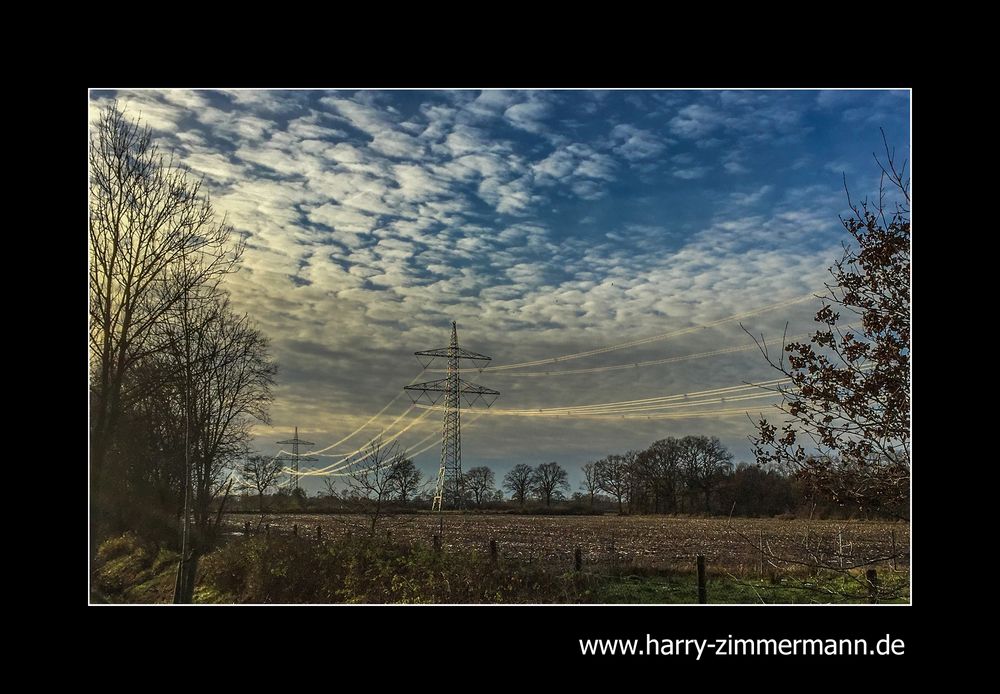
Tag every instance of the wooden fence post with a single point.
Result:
(267, 530)
(872, 576)
(493, 552)
(892, 536)
(840, 546)
(578, 559)
(760, 546)
(295, 529)
(702, 590)
(319, 532)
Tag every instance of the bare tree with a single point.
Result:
(548, 481)
(614, 478)
(590, 481)
(226, 388)
(373, 478)
(148, 219)
(705, 460)
(849, 398)
(330, 488)
(480, 482)
(260, 474)
(656, 477)
(407, 481)
(518, 482)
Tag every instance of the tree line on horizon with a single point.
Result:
(691, 475)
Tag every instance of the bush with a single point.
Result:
(123, 562)
(129, 568)
(365, 570)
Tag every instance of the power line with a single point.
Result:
(295, 458)
(651, 362)
(347, 462)
(409, 454)
(370, 420)
(454, 389)
(654, 338)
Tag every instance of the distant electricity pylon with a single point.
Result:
(293, 481)
(454, 389)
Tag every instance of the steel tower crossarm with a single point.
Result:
(452, 388)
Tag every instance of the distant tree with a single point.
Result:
(638, 495)
(754, 491)
(260, 473)
(154, 239)
(849, 397)
(407, 480)
(372, 479)
(615, 478)
(480, 482)
(705, 461)
(548, 482)
(330, 489)
(660, 465)
(590, 483)
(518, 482)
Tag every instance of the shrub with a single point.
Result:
(366, 570)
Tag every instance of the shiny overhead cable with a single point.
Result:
(653, 338)
(653, 362)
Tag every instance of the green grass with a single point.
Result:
(682, 589)
(130, 570)
(365, 570)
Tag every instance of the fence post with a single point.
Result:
(267, 530)
(295, 529)
(437, 543)
(493, 552)
(760, 546)
(246, 528)
(319, 532)
(892, 536)
(872, 576)
(840, 546)
(577, 559)
(702, 590)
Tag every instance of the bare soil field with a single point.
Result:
(642, 541)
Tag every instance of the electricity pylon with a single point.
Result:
(293, 482)
(454, 390)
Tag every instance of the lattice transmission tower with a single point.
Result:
(293, 479)
(454, 390)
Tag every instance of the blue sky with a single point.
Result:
(544, 222)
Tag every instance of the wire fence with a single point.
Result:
(767, 557)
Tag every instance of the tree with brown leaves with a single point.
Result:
(847, 406)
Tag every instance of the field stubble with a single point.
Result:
(653, 542)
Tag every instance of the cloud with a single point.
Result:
(529, 115)
(636, 144)
(838, 167)
(375, 219)
(691, 172)
(751, 198)
(695, 120)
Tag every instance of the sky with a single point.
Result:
(545, 223)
